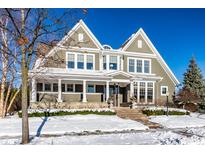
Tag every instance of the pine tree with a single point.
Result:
(193, 78)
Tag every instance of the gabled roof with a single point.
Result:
(69, 34)
(73, 30)
(114, 73)
(152, 47)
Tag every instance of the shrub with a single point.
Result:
(64, 113)
(162, 111)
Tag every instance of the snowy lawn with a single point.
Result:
(68, 124)
(192, 120)
(162, 137)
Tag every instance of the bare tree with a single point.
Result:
(8, 70)
(28, 28)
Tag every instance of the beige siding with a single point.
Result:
(134, 46)
(73, 40)
(166, 81)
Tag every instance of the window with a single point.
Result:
(131, 65)
(90, 89)
(63, 87)
(139, 66)
(146, 66)
(139, 43)
(80, 37)
(55, 87)
(39, 86)
(78, 88)
(71, 61)
(136, 90)
(113, 62)
(104, 63)
(142, 92)
(99, 89)
(47, 87)
(149, 92)
(90, 62)
(69, 87)
(80, 61)
(164, 90)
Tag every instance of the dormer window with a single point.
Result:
(139, 43)
(80, 37)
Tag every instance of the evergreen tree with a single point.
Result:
(193, 79)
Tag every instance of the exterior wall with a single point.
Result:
(58, 60)
(134, 46)
(166, 81)
(75, 97)
(73, 40)
(48, 97)
(94, 97)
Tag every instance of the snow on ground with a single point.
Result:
(159, 137)
(192, 120)
(69, 124)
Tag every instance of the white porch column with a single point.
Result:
(84, 91)
(131, 89)
(33, 90)
(59, 91)
(107, 90)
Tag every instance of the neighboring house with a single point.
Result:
(80, 69)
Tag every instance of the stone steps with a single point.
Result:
(137, 115)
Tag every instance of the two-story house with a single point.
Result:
(80, 69)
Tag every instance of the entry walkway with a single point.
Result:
(137, 115)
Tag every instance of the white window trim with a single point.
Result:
(85, 61)
(166, 90)
(135, 65)
(108, 62)
(138, 91)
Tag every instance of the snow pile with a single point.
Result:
(182, 121)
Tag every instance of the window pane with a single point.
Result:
(47, 87)
(80, 61)
(142, 92)
(136, 89)
(63, 87)
(90, 88)
(113, 62)
(99, 89)
(89, 62)
(139, 66)
(39, 86)
(131, 65)
(55, 87)
(78, 88)
(146, 66)
(150, 92)
(164, 90)
(104, 63)
(69, 87)
(71, 63)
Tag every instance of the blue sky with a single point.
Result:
(176, 33)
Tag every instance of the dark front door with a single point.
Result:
(123, 92)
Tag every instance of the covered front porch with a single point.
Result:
(119, 86)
